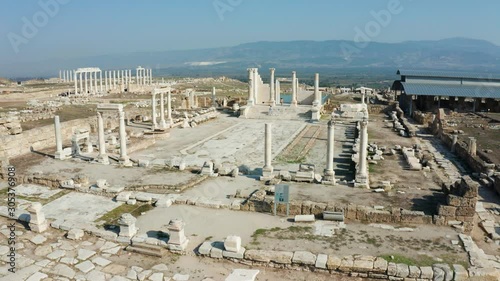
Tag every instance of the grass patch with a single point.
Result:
(112, 216)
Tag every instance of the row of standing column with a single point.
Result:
(144, 76)
(81, 77)
(164, 122)
(103, 156)
(116, 78)
(66, 75)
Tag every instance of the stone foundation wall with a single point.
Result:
(460, 207)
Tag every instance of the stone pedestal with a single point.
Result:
(177, 240)
(232, 244)
(37, 221)
(127, 225)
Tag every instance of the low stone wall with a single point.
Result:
(462, 150)
(460, 207)
(353, 265)
(39, 138)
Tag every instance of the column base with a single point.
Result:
(329, 176)
(362, 181)
(250, 103)
(60, 155)
(163, 125)
(103, 159)
(125, 161)
(294, 103)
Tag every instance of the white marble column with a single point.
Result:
(124, 159)
(153, 113)
(294, 88)
(214, 102)
(256, 84)
(272, 101)
(106, 80)
(329, 174)
(102, 157)
(170, 121)
(86, 82)
(76, 82)
(64, 76)
(317, 94)
(163, 123)
(363, 97)
(59, 147)
(95, 83)
(60, 75)
(362, 163)
(129, 77)
(278, 92)
(268, 168)
(250, 87)
(91, 82)
(81, 82)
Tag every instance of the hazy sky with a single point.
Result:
(94, 27)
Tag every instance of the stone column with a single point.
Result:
(124, 159)
(256, 84)
(268, 168)
(129, 77)
(106, 80)
(177, 240)
(127, 225)
(272, 101)
(454, 142)
(86, 87)
(95, 81)
(102, 157)
(37, 222)
(59, 147)
(150, 76)
(214, 102)
(163, 124)
(362, 163)
(90, 148)
(294, 88)
(329, 174)
(60, 75)
(100, 78)
(76, 86)
(472, 146)
(250, 87)
(91, 82)
(64, 76)
(278, 92)
(317, 94)
(81, 82)
(363, 97)
(153, 105)
(170, 121)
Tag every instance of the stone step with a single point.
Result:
(145, 251)
(147, 246)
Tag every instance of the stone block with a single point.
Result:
(304, 218)
(447, 211)
(304, 257)
(234, 255)
(216, 253)
(321, 261)
(392, 269)
(465, 211)
(333, 262)
(414, 271)
(426, 272)
(205, 248)
(402, 270)
(123, 196)
(281, 257)
(461, 273)
(258, 255)
(346, 264)
(362, 264)
(232, 244)
(380, 265)
(75, 234)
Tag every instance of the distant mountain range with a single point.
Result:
(328, 57)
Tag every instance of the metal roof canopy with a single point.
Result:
(449, 74)
(471, 91)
